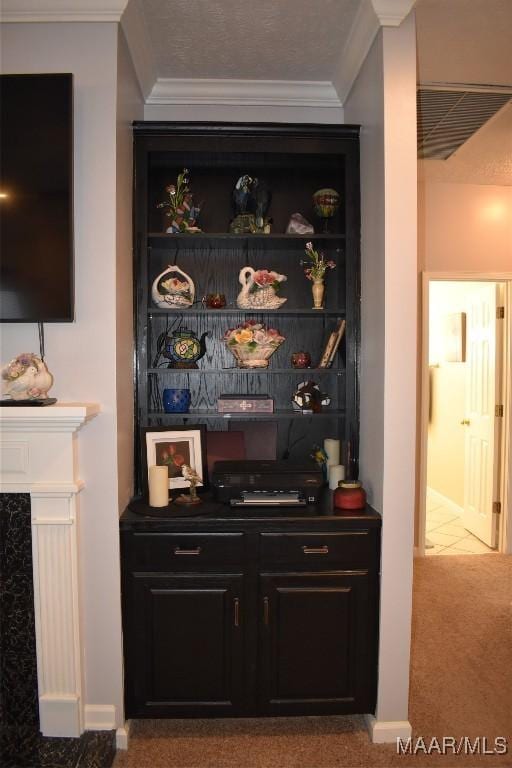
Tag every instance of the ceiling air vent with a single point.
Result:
(446, 118)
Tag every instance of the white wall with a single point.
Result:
(83, 355)
(383, 101)
(464, 227)
(130, 107)
(244, 114)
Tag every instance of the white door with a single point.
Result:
(481, 422)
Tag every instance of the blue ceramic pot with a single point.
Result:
(176, 400)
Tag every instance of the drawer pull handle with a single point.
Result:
(179, 551)
(266, 606)
(236, 607)
(316, 550)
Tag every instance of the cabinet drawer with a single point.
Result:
(343, 550)
(186, 551)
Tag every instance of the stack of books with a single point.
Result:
(331, 347)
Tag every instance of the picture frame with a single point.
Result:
(174, 446)
(454, 337)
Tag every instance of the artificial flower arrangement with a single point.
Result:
(252, 344)
(181, 209)
(264, 277)
(316, 266)
(26, 377)
(173, 285)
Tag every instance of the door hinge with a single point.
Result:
(500, 313)
(496, 507)
(498, 411)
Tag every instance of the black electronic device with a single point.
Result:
(267, 483)
(36, 198)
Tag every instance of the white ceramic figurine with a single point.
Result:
(26, 377)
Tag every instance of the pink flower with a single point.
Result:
(264, 277)
(331, 264)
(309, 246)
(260, 337)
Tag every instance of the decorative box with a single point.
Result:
(245, 404)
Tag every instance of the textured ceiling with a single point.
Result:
(248, 39)
(469, 41)
(464, 41)
(485, 159)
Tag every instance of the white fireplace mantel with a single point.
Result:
(38, 455)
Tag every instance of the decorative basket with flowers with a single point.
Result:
(252, 344)
(181, 209)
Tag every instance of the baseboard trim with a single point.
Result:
(444, 501)
(99, 717)
(387, 731)
(60, 715)
(123, 735)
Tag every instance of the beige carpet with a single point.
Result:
(461, 685)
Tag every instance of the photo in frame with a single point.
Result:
(173, 447)
(454, 337)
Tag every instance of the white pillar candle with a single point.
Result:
(336, 473)
(158, 486)
(332, 449)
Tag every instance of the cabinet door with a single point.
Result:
(317, 643)
(184, 645)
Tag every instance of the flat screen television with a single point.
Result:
(36, 198)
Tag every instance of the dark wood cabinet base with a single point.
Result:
(263, 616)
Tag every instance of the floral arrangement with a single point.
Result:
(263, 278)
(252, 344)
(316, 266)
(26, 377)
(181, 210)
(174, 285)
(18, 366)
(253, 334)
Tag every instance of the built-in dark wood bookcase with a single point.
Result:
(295, 161)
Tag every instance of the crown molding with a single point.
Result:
(391, 13)
(371, 15)
(360, 38)
(283, 93)
(17, 11)
(137, 37)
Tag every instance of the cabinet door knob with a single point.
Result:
(179, 551)
(465, 422)
(236, 611)
(324, 550)
(266, 606)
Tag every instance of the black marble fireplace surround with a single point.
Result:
(21, 744)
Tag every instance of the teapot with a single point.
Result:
(183, 348)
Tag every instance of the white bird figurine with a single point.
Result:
(19, 388)
(26, 378)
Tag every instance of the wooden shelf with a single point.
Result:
(250, 371)
(202, 237)
(329, 413)
(236, 311)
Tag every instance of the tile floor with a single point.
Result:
(447, 534)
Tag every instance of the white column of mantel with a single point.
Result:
(38, 456)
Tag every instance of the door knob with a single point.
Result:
(465, 422)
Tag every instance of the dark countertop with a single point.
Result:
(212, 515)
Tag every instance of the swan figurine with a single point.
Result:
(259, 289)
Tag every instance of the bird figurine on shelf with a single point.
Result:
(251, 199)
(194, 479)
(26, 378)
